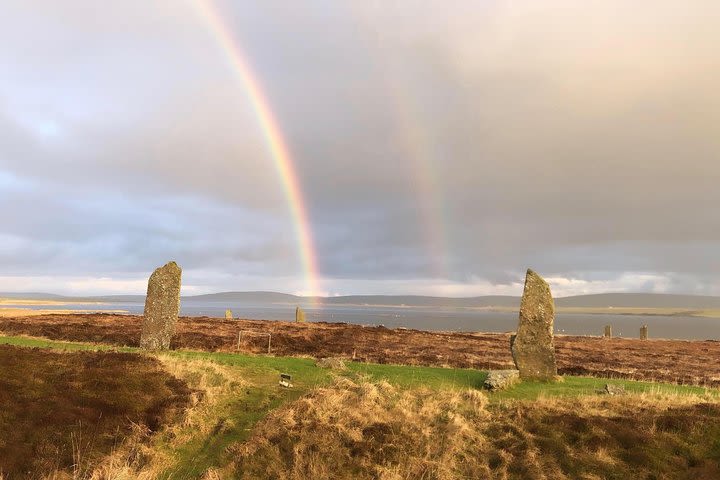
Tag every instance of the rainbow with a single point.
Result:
(415, 139)
(273, 137)
(417, 143)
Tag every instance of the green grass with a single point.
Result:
(306, 374)
(303, 370)
(416, 376)
(239, 413)
(31, 342)
(576, 386)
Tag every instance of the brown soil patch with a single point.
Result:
(64, 411)
(678, 361)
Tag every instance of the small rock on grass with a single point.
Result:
(611, 389)
(331, 363)
(501, 379)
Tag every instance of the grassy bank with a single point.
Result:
(364, 431)
(66, 411)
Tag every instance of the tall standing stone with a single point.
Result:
(299, 315)
(228, 314)
(608, 331)
(644, 332)
(533, 348)
(162, 306)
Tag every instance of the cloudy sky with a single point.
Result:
(441, 147)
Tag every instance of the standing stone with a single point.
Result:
(608, 331)
(532, 348)
(299, 315)
(644, 332)
(162, 306)
(228, 314)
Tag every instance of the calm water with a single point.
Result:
(679, 327)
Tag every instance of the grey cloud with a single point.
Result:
(448, 142)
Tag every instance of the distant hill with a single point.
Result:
(246, 297)
(111, 299)
(31, 295)
(604, 300)
(422, 301)
(654, 300)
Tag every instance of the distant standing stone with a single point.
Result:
(608, 331)
(228, 314)
(162, 306)
(644, 332)
(299, 315)
(533, 348)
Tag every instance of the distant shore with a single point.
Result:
(13, 307)
(638, 311)
(29, 312)
(30, 301)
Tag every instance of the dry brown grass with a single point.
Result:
(368, 430)
(64, 411)
(142, 457)
(373, 431)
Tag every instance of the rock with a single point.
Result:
(299, 315)
(611, 389)
(644, 332)
(608, 331)
(331, 363)
(501, 379)
(533, 349)
(228, 314)
(162, 306)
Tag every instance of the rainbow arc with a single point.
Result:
(274, 139)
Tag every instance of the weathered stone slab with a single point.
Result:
(333, 363)
(608, 331)
(299, 315)
(612, 389)
(162, 306)
(501, 379)
(228, 314)
(532, 347)
(644, 332)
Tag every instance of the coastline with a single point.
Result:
(29, 312)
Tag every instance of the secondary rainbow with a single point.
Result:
(420, 153)
(273, 137)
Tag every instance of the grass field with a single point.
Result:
(242, 390)
(306, 374)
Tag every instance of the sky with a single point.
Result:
(441, 148)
